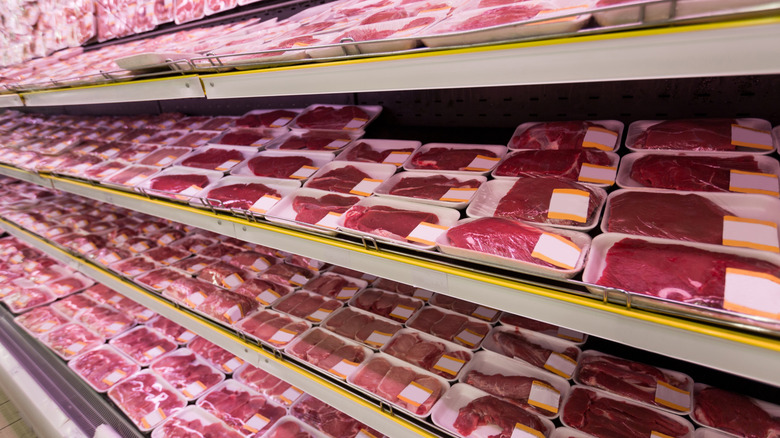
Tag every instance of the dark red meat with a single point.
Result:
(325, 117)
(316, 141)
(311, 210)
(734, 413)
(489, 410)
(341, 180)
(265, 325)
(412, 348)
(518, 346)
(429, 187)
(514, 389)
(448, 326)
(384, 303)
(240, 196)
(277, 167)
(441, 158)
(271, 119)
(213, 158)
(563, 163)
(364, 152)
(285, 273)
(552, 135)
(255, 287)
(687, 135)
(388, 14)
(529, 200)
(328, 285)
(242, 137)
(386, 221)
(709, 174)
(303, 305)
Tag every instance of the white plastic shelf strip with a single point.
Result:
(361, 411)
(698, 51)
(10, 100)
(145, 90)
(722, 353)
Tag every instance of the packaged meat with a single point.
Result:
(185, 371)
(70, 284)
(103, 367)
(130, 176)
(216, 6)
(40, 320)
(179, 183)
(354, 274)
(450, 326)
(255, 194)
(604, 135)
(253, 261)
(263, 382)
(604, 415)
(23, 299)
(146, 399)
(224, 275)
(219, 158)
(194, 421)
(328, 419)
(104, 320)
(103, 170)
(552, 354)
(542, 327)
(400, 222)
(336, 117)
(394, 286)
(309, 263)
(71, 339)
(273, 328)
(274, 118)
(288, 426)
(306, 305)
(159, 279)
(134, 266)
(287, 274)
(314, 141)
(543, 200)
(165, 156)
(353, 178)
(334, 354)
(298, 165)
(667, 390)
(143, 344)
(734, 413)
(335, 286)
(248, 137)
(432, 354)
(220, 251)
(361, 326)
(171, 329)
(194, 243)
(567, 432)
(379, 151)
(466, 411)
(522, 385)
(215, 355)
(312, 206)
(453, 157)
(701, 172)
(465, 307)
(70, 305)
(405, 386)
(388, 304)
(583, 165)
(262, 291)
(455, 191)
(721, 135)
(193, 265)
(167, 236)
(242, 408)
(390, 36)
(517, 245)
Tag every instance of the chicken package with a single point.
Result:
(104, 320)
(722, 135)
(465, 307)
(351, 178)
(261, 381)
(379, 151)
(451, 157)
(147, 399)
(171, 329)
(554, 355)
(361, 326)
(336, 117)
(450, 326)
(606, 416)
(735, 413)
(242, 408)
(43, 319)
(274, 328)
(542, 327)
(143, 344)
(388, 304)
(310, 306)
(335, 286)
(215, 355)
(194, 422)
(287, 274)
(604, 135)
(330, 420)
(103, 367)
(583, 165)
(71, 339)
(188, 373)
(432, 354)
(334, 354)
(262, 291)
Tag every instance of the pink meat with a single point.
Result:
(267, 119)
(220, 302)
(283, 273)
(734, 413)
(181, 428)
(218, 272)
(311, 210)
(349, 324)
(708, 174)
(364, 152)
(341, 180)
(396, 379)
(277, 167)
(328, 419)
(377, 325)
(386, 221)
(553, 135)
(426, 319)
(96, 365)
(144, 393)
(516, 345)
(235, 407)
(529, 200)
(372, 374)
(308, 305)
(328, 285)
(688, 135)
(388, 14)
(288, 429)
(489, 410)
(167, 254)
(239, 196)
(72, 304)
(181, 370)
(62, 338)
(383, 303)
(325, 117)
(308, 342)
(104, 320)
(429, 187)
(351, 353)
(167, 327)
(40, 320)
(440, 158)
(323, 349)
(213, 158)
(143, 345)
(213, 353)
(562, 163)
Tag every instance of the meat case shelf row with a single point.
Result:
(251, 352)
(728, 350)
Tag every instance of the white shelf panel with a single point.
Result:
(23, 175)
(10, 100)
(745, 355)
(693, 51)
(361, 410)
(145, 90)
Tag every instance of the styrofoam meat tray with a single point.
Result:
(446, 364)
(457, 198)
(377, 174)
(261, 205)
(600, 178)
(616, 128)
(318, 159)
(195, 413)
(772, 409)
(661, 11)
(343, 369)
(185, 195)
(475, 339)
(354, 125)
(758, 126)
(382, 145)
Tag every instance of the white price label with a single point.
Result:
(753, 182)
(426, 233)
(330, 220)
(193, 389)
(365, 187)
(267, 297)
(523, 431)
(752, 293)
(544, 396)
(46, 326)
(115, 299)
(337, 144)
(346, 293)
(459, 194)
(233, 314)
(600, 138)
(191, 190)
(469, 338)
(153, 418)
(402, 312)
(110, 258)
(75, 348)
(264, 204)
(304, 172)
(671, 397)
(298, 280)
(195, 299)
(356, 123)
(290, 395)
(378, 339)
(415, 394)
(281, 121)
(450, 365)
(227, 165)
(139, 247)
(423, 294)
(260, 264)
(166, 239)
(750, 233)
(364, 434)
(115, 327)
(593, 173)
(569, 204)
(154, 352)
(571, 335)
(283, 336)
(256, 423)
(751, 138)
(162, 162)
(87, 247)
(561, 365)
(397, 158)
(557, 251)
(344, 368)
(109, 153)
(482, 163)
(145, 315)
(185, 337)
(485, 313)
(319, 315)
(232, 281)
(196, 267)
(232, 364)
(114, 377)
(136, 180)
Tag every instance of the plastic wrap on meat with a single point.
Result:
(441, 158)
(104, 320)
(220, 251)
(605, 417)
(448, 326)
(429, 187)
(245, 137)
(240, 196)
(359, 326)
(674, 272)
(518, 346)
(364, 152)
(325, 351)
(529, 200)
(328, 419)
(71, 339)
(288, 429)
(187, 373)
(267, 326)
(340, 180)
(171, 329)
(412, 348)
(553, 135)
(227, 306)
(236, 406)
(284, 273)
(311, 210)
(252, 261)
(306, 262)
(330, 285)
(144, 396)
(188, 10)
(215, 355)
(304, 305)
(260, 380)
(277, 167)
(315, 141)
(734, 413)
(262, 291)
(195, 428)
(143, 344)
(708, 174)
(72, 304)
(224, 275)
(390, 384)
(386, 304)
(270, 119)
(178, 183)
(41, 320)
(389, 222)
(489, 410)
(213, 158)
(194, 244)
(541, 327)
(164, 156)
(215, 6)
(394, 286)
(562, 163)
(103, 367)
(325, 117)
(514, 389)
(22, 299)
(134, 266)
(688, 135)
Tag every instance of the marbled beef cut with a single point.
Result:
(342, 179)
(441, 158)
(311, 210)
(529, 200)
(734, 413)
(277, 167)
(687, 135)
(565, 163)
(708, 174)
(177, 183)
(429, 187)
(393, 223)
(239, 196)
(325, 117)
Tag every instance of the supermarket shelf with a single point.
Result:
(675, 52)
(179, 87)
(10, 100)
(728, 350)
(316, 386)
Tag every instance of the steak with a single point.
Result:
(239, 196)
(104, 320)
(237, 406)
(489, 410)
(734, 413)
(266, 120)
(315, 141)
(213, 353)
(328, 285)
(429, 187)
(564, 163)
(311, 210)
(516, 345)
(340, 180)
(669, 215)
(40, 320)
(674, 272)
(687, 135)
(441, 158)
(241, 137)
(447, 326)
(326, 117)
(288, 429)
(364, 152)
(328, 419)
(143, 345)
(708, 174)
(179, 427)
(213, 158)
(412, 348)
(515, 389)
(277, 167)
(182, 370)
(99, 365)
(144, 393)
(389, 222)
(529, 200)
(552, 135)
(384, 303)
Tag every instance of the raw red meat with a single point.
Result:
(540, 327)
(104, 320)
(734, 413)
(553, 135)
(518, 346)
(167, 255)
(529, 200)
(68, 285)
(255, 287)
(271, 119)
(277, 167)
(385, 303)
(325, 351)
(223, 274)
(42, 319)
(329, 419)
(447, 326)
(455, 304)
(171, 329)
(242, 137)
(253, 261)
(213, 158)
(194, 244)
(429, 187)
(284, 273)
(181, 369)
(220, 251)
(193, 265)
(315, 141)
(394, 286)
(514, 389)
(441, 158)
(103, 367)
(180, 428)
(144, 394)
(605, 417)
(389, 222)
(329, 285)
(412, 348)
(674, 272)
(687, 135)
(393, 13)
(134, 266)
(341, 180)
(164, 156)
(217, 356)
(239, 196)
(188, 10)
(143, 344)
(326, 117)
(388, 381)
(679, 172)
(259, 380)
(227, 306)
(303, 305)
(364, 152)
(353, 324)
(265, 325)
(363, 34)
(70, 339)
(498, 236)
(311, 210)
(177, 183)
(288, 429)
(235, 406)
(489, 410)
(72, 304)
(563, 163)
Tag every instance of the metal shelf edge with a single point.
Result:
(10, 100)
(145, 90)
